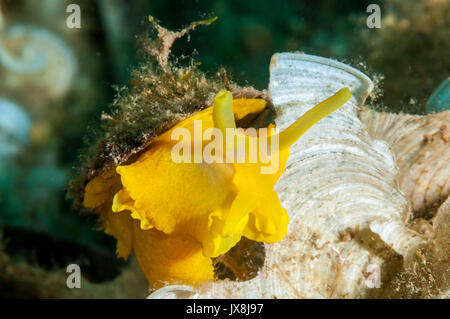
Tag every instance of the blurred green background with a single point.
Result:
(50, 112)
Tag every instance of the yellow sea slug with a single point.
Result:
(176, 216)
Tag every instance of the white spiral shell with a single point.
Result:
(348, 215)
(36, 58)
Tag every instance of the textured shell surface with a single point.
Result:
(421, 148)
(348, 215)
